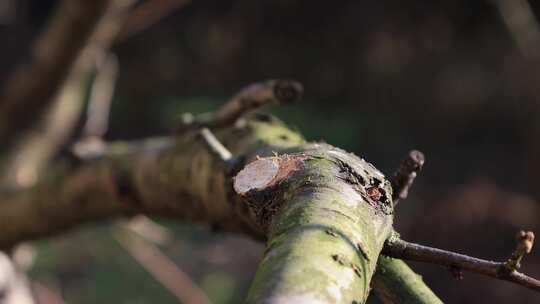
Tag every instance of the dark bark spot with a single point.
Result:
(357, 270)
(331, 232)
(125, 187)
(374, 193)
(363, 251)
(287, 91)
(263, 117)
(216, 227)
(340, 259)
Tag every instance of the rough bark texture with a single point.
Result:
(174, 177)
(326, 221)
(396, 283)
(325, 230)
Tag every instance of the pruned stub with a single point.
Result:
(258, 183)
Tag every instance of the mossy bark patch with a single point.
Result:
(325, 231)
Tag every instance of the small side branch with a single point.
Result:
(219, 150)
(405, 174)
(525, 241)
(398, 248)
(215, 146)
(245, 101)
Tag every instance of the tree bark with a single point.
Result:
(325, 221)
(326, 227)
(396, 283)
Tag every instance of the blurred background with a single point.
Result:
(458, 80)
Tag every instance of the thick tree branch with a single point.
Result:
(400, 249)
(324, 230)
(142, 177)
(176, 177)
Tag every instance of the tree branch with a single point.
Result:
(165, 271)
(396, 283)
(248, 99)
(28, 156)
(405, 174)
(14, 287)
(142, 177)
(400, 249)
(324, 231)
(30, 89)
(176, 177)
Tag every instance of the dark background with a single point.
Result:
(381, 77)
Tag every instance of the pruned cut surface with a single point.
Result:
(265, 172)
(256, 175)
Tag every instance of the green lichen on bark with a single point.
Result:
(324, 236)
(325, 239)
(397, 283)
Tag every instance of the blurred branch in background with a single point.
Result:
(100, 98)
(99, 103)
(13, 283)
(60, 64)
(148, 13)
(28, 93)
(163, 269)
(523, 26)
(44, 295)
(37, 147)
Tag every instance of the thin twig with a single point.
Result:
(91, 144)
(400, 249)
(101, 94)
(148, 230)
(45, 295)
(215, 146)
(525, 241)
(405, 174)
(161, 268)
(245, 101)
